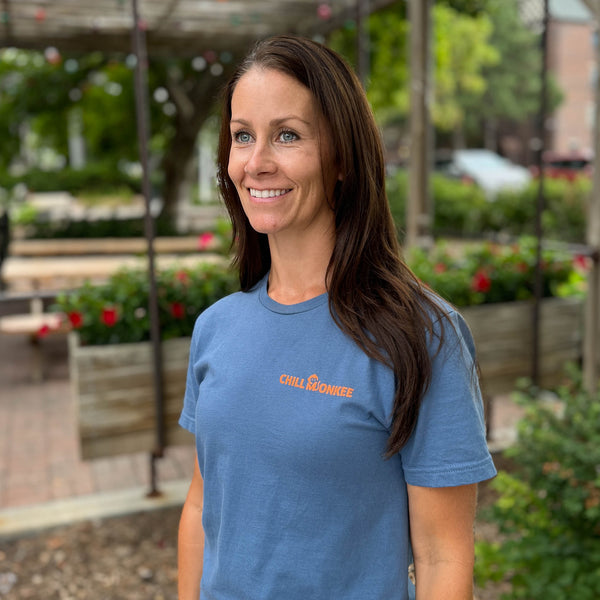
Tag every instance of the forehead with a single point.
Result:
(264, 90)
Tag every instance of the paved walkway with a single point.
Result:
(43, 481)
(39, 453)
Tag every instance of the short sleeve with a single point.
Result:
(448, 446)
(187, 419)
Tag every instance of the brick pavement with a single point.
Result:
(39, 454)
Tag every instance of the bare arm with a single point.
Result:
(441, 525)
(191, 541)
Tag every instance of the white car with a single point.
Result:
(485, 168)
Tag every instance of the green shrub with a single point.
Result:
(564, 216)
(460, 209)
(109, 227)
(548, 511)
(94, 177)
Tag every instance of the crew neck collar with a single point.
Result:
(287, 309)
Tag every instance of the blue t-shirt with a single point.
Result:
(291, 421)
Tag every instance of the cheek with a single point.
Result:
(234, 169)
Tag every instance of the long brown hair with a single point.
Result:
(373, 295)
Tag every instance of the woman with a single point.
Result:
(334, 400)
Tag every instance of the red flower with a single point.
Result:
(43, 331)
(177, 310)
(76, 319)
(205, 240)
(109, 316)
(481, 282)
(522, 267)
(440, 268)
(182, 276)
(581, 262)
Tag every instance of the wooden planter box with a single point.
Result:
(113, 387)
(503, 336)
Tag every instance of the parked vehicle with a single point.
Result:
(485, 168)
(561, 165)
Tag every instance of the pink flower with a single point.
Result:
(177, 310)
(324, 12)
(205, 240)
(109, 316)
(440, 268)
(481, 282)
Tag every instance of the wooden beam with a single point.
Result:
(419, 209)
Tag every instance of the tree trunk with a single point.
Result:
(194, 106)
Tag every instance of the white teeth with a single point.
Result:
(266, 193)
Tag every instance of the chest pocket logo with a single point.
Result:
(313, 384)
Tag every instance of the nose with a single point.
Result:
(260, 160)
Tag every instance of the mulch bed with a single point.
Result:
(133, 557)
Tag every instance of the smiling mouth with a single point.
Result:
(267, 193)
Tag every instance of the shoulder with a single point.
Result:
(223, 314)
(449, 330)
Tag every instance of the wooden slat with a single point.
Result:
(503, 337)
(114, 390)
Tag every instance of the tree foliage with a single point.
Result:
(513, 83)
(486, 64)
(42, 91)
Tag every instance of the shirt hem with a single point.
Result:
(187, 423)
(481, 471)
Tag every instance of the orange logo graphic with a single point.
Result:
(312, 384)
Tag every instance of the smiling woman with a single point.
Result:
(281, 162)
(334, 401)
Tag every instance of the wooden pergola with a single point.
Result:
(177, 29)
(172, 27)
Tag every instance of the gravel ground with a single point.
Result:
(126, 558)
(122, 558)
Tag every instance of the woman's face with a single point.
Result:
(281, 157)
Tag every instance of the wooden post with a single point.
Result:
(591, 348)
(419, 209)
(540, 200)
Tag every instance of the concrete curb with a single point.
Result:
(16, 521)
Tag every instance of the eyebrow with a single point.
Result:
(274, 122)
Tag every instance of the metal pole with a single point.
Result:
(142, 113)
(418, 208)
(541, 134)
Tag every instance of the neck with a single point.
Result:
(298, 268)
